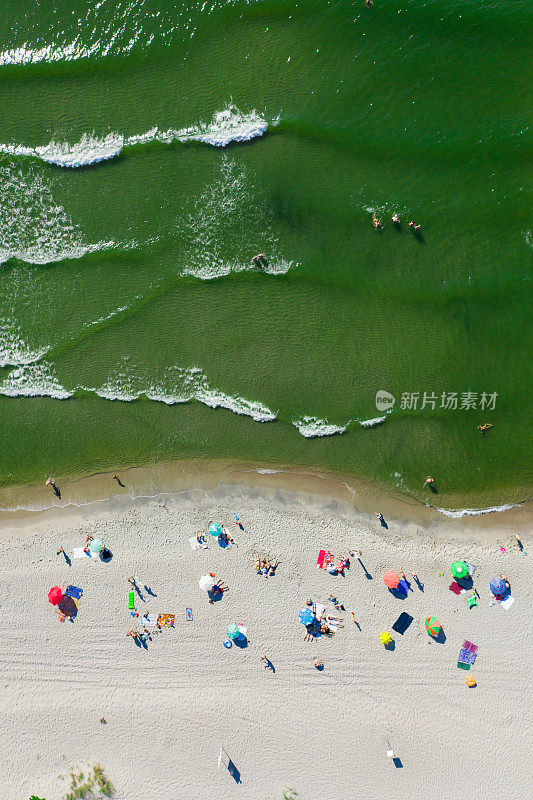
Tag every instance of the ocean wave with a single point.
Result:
(473, 512)
(311, 427)
(178, 385)
(371, 423)
(14, 351)
(34, 228)
(34, 380)
(227, 126)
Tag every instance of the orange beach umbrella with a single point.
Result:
(391, 580)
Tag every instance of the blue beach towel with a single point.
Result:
(74, 591)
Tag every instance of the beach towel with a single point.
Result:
(320, 560)
(79, 552)
(74, 591)
(455, 588)
(196, 545)
(507, 603)
(166, 620)
(319, 610)
(332, 625)
(188, 615)
(150, 619)
(402, 623)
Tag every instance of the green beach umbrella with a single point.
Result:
(433, 626)
(233, 632)
(459, 569)
(95, 545)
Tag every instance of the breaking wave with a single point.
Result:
(14, 351)
(227, 126)
(371, 423)
(311, 427)
(34, 380)
(473, 512)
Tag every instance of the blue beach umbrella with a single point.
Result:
(497, 586)
(233, 632)
(305, 616)
(215, 529)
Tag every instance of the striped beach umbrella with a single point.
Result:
(459, 569)
(433, 626)
(498, 587)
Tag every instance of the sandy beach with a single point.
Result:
(171, 705)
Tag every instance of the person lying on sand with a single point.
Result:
(272, 567)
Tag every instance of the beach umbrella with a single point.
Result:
(233, 631)
(95, 546)
(306, 616)
(391, 579)
(433, 626)
(459, 569)
(215, 529)
(497, 586)
(385, 637)
(55, 595)
(206, 583)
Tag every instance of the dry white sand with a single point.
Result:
(170, 707)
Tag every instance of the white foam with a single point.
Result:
(311, 427)
(229, 218)
(370, 423)
(178, 386)
(266, 471)
(34, 380)
(473, 512)
(33, 227)
(89, 150)
(228, 125)
(14, 351)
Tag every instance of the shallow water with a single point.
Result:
(147, 153)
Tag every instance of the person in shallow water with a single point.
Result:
(395, 219)
(376, 222)
(484, 427)
(260, 261)
(415, 228)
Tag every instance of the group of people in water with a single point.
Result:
(395, 219)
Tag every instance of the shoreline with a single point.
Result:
(98, 493)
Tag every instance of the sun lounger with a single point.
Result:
(74, 591)
(507, 603)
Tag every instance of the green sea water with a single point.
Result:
(149, 149)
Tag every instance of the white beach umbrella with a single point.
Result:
(206, 583)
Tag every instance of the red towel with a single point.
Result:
(455, 588)
(320, 560)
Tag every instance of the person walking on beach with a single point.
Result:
(55, 487)
(60, 551)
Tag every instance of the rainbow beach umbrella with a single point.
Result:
(459, 569)
(433, 626)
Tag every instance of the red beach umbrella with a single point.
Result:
(391, 580)
(55, 595)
